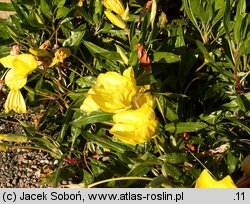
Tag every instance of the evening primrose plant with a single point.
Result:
(129, 93)
(16, 78)
(118, 94)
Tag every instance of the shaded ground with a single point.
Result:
(22, 167)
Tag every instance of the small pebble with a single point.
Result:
(23, 168)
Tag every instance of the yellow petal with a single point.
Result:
(15, 102)
(14, 80)
(125, 15)
(89, 105)
(115, 6)
(143, 98)
(227, 182)
(113, 92)
(135, 126)
(111, 81)
(115, 20)
(23, 63)
(129, 73)
(205, 180)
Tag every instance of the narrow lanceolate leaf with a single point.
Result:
(6, 7)
(166, 57)
(174, 158)
(13, 138)
(94, 117)
(96, 50)
(105, 142)
(182, 127)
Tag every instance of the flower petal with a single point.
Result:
(15, 102)
(205, 180)
(115, 6)
(89, 105)
(14, 80)
(115, 20)
(114, 92)
(135, 126)
(24, 63)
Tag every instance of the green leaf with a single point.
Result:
(87, 177)
(161, 181)
(75, 38)
(191, 9)
(86, 81)
(62, 12)
(6, 7)
(68, 117)
(172, 171)
(13, 138)
(240, 103)
(212, 62)
(232, 162)
(173, 95)
(105, 142)
(46, 8)
(139, 170)
(174, 158)
(166, 57)
(98, 51)
(97, 167)
(59, 3)
(226, 17)
(183, 127)
(93, 117)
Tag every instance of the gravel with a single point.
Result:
(22, 168)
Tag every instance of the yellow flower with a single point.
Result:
(144, 97)
(23, 63)
(205, 180)
(89, 104)
(60, 55)
(116, 20)
(135, 126)
(15, 102)
(15, 80)
(115, 6)
(113, 92)
(20, 66)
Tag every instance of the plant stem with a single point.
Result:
(85, 64)
(119, 179)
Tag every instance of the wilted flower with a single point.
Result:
(205, 180)
(143, 57)
(113, 92)
(15, 102)
(20, 66)
(60, 55)
(135, 126)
